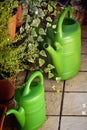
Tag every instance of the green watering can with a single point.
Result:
(31, 112)
(64, 45)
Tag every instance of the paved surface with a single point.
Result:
(67, 110)
(66, 107)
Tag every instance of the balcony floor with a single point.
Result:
(66, 108)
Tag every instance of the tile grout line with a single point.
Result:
(83, 38)
(26, 76)
(61, 107)
(74, 116)
(83, 71)
(69, 91)
(83, 53)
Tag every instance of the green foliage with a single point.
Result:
(6, 10)
(11, 60)
(37, 15)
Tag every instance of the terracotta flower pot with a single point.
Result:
(19, 17)
(2, 115)
(7, 92)
(12, 27)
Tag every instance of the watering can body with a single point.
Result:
(68, 46)
(32, 103)
(34, 106)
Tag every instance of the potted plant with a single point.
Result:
(30, 55)
(37, 17)
(8, 19)
(11, 61)
(19, 15)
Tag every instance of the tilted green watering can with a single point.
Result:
(66, 47)
(31, 113)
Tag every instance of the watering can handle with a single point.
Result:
(60, 21)
(29, 81)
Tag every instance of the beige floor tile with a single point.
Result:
(74, 123)
(51, 123)
(53, 102)
(21, 78)
(84, 31)
(75, 104)
(83, 63)
(84, 46)
(49, 83)
(78, 83)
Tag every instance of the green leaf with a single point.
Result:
(42, 53)
(50, 75)
(43, 4)
(41, 31)
(25, 11)
(58, 79)
(35, 22)
(54, 26)
(48, 25)
(28, 19)
(27, 26)
(41, 13)
(50, 66)
(40, 39)
(50, 8)
(46, 70)
(58, 90)
(49, 19)
(21, 30)
(41, 62)
(33, 32)
(53, 87)
(55, 13)
(53, 3)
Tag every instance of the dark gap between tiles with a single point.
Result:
(27, 75)
(74, 116)
(83, 53)
(53, 91)
(75, 91)
(61, 107)
(83, 71)
(83, 38)
(49, 91)
(53, 115)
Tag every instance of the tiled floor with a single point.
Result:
(67, 108)
(66, 102)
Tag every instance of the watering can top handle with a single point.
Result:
(29, 81)
(68, 9)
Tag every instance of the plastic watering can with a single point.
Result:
(31, 103)
(64, 47)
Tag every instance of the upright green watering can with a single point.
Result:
(66, 47)
(31, 112)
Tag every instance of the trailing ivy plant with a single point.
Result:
(38, 16)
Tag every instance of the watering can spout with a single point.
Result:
(55, 53)
(19, 114)
(50, 49)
